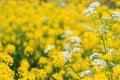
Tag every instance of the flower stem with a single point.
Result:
(75, 72)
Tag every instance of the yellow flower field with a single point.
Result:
(59, 40)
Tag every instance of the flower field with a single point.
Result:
(59, 40)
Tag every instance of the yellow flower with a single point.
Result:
(41, 74)
(5, 58)
(108, 57)
(5, 72)
(23, 69)
(28, 51)
(1, 47)
(118, 3)
(116, 57)
(10, 49)
(42, 60)
(100, 76)
(116, 71)
(77, 66)
(58, 59)
(48, 68)
(30, 26)
(57, 76)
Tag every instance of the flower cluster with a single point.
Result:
(59, 40)
(91, 8)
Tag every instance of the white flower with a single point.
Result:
(94, 4)
(102, 29)
(66, 33)
(76, 50)
(89, 29)
(46, 18)
(110, 51)
(106, 19)
(89, 11)
(67, 55)
(116, 15)
(87, 73)
(67, 46)
(95, 55)
(62, 4)
(76, 40)
(49, 48)
(100, 63)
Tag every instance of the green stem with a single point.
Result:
(103, 40)
(111, 76)
(109, 69)
(75, 72)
